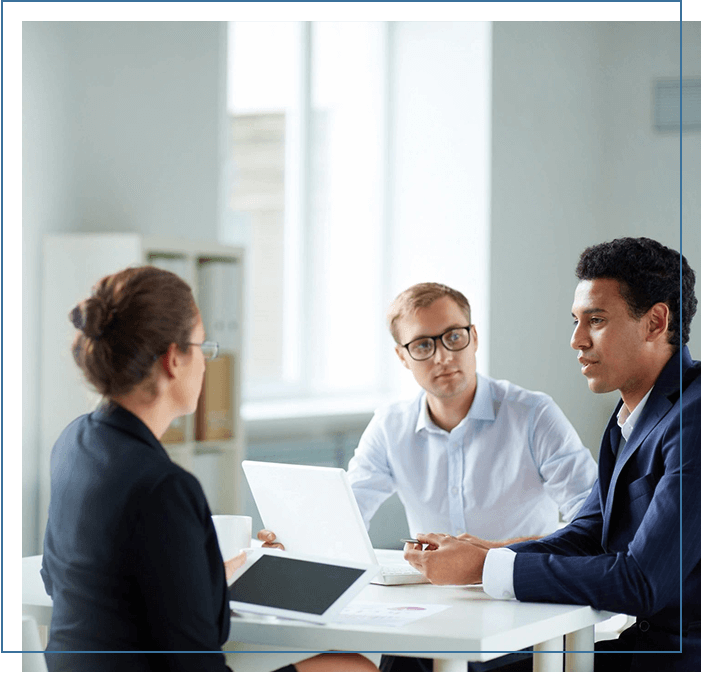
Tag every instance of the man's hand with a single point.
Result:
(447, 559)
(493, 544)
(267, 537)
(482, 544)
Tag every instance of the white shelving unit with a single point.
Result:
(72, 265)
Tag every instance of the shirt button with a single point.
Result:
(454, 490)
(644, 626)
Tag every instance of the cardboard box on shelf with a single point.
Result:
(214, 418)
(175, 433)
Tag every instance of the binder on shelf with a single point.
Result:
(219, 283)
(214, 418)
(176, 264)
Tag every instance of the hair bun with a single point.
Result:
(77, 318)
(92, 317)
(130, 318)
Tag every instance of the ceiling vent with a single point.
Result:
(667, 105)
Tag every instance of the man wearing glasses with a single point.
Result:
(470, 455)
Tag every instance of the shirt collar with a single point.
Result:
(627, 419)
(482, 408)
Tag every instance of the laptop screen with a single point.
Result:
(293, 584)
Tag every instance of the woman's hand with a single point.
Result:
(267, 537)
(232, 564)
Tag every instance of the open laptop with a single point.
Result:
(313, 510)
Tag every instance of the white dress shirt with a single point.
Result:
(498, 571)
(504, 471)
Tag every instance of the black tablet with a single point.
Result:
(311, 588)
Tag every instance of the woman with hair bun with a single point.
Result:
(131, 558)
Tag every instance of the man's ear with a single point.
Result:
(402, 354)
(657, 322)
(473, 336)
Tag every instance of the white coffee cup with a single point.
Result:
(233, 533)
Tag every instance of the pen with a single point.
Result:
(411, 539)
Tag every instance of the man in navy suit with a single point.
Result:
(635, 546)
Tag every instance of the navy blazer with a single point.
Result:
(622, 552)
(130, 554)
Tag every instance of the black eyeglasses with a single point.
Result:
(454, 339)
(210, 349)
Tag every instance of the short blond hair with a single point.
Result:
(419, 296)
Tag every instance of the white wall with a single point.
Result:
(576, 162)
(150, 118)
(642, 166)
(122, 131)
(48, 178)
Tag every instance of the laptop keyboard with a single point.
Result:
(399, 569)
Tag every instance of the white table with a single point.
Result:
(474, 624)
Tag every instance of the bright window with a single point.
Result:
(307, 177)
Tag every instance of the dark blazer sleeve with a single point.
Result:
(582, 537)
(181, 575)
(645, 577)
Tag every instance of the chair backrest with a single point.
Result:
(32, 651)
(35, 601)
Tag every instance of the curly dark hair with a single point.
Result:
(647, 273)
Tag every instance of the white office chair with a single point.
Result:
(32, 650)
(37, 607)
(612, 627)
(35, 601)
